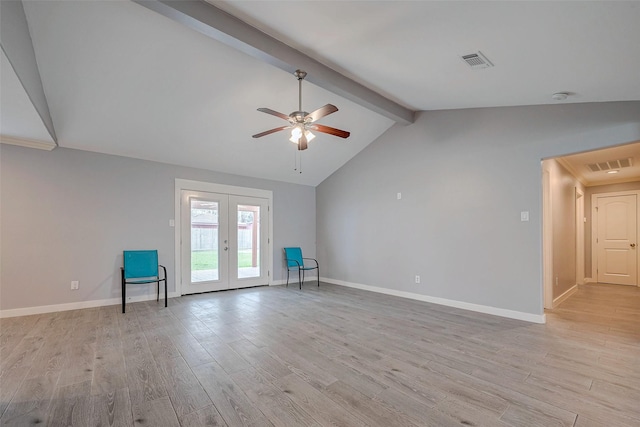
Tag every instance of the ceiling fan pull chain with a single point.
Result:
(297, 161)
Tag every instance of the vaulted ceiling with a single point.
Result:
(123, 79)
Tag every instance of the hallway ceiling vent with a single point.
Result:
(476, 60)
(610, 165)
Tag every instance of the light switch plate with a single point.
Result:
(524, 216)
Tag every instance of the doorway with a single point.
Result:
(570, 253)
(222, 237)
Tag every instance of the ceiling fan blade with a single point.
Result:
(270, 131)
(274, 113)
(321, 112)
(302, 143)
(331, 131)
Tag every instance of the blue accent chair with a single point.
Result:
(295, 261)
(141, 267)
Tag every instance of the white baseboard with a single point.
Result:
(572, 290)
(528, 317)
(27, 311)
(588, 280)
(512, 314)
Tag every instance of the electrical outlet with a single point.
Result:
(417, 279)
(75, 285)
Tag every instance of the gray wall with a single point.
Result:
(598, 189)
(465, 176)
(68, 214)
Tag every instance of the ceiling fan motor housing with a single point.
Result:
(299, 117)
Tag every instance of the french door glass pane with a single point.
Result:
(204, 241)
(248, 241)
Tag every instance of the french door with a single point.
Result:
(224, 241)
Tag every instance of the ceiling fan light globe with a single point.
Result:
(296, 133)
(309, 136)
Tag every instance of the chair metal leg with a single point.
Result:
(124, 292)
(165, 285)
(300, 279)
(318, 276)
(287, 277)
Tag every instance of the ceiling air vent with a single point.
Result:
(610, 165)
(477, 60)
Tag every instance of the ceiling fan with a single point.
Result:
(302, 123)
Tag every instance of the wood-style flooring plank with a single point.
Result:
(205, 417)
(373, 412)
(71, 406)
(30, 404)
(274, 403)
(232, 404)
(157, 413)
(315, 403)
(324, 356)
(112, 409)
(183, 388)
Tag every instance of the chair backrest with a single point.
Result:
(140, 264)
(292, 255)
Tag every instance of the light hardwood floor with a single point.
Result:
(323, 356)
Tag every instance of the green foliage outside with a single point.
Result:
(208, 260)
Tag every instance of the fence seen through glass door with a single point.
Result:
(204, 240)
(248, 241)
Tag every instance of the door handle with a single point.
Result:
(633, 245)
(226, 248)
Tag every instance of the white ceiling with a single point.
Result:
(19, 116)
(122, 79)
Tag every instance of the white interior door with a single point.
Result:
(617, 239)
(224, 241)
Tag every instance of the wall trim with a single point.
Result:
(42, 309)
(560, 299)
(501, 312)
(547, 235)
(572, 171)
(29, 143)
(588, 280)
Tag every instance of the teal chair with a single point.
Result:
(140, 267)
(295, 261)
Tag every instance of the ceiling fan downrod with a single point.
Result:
(300, 76)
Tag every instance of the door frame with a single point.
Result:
(579, 236)
(209, 187)
(594, 230)
(547, 237)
